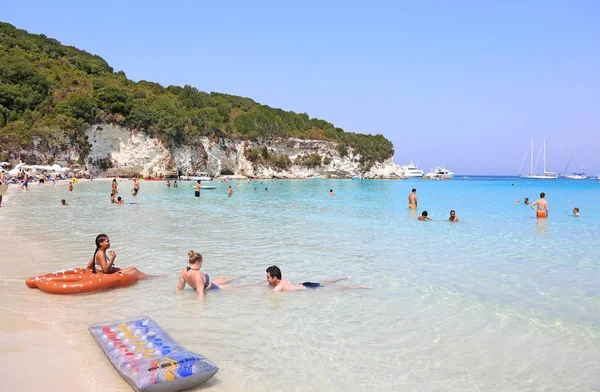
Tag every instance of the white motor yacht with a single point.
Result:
(201, 176)
(442, 171)
(411, 170)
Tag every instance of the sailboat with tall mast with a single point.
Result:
(531, 175)
(573, 175)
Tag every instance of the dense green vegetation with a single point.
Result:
(50, 92)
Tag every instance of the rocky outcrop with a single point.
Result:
(116, 150)
(121, 151)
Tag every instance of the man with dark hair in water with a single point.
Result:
(412, 200)
(198, 187)
(453, 217)
(542, 206)
(424, 216)
(279, 284)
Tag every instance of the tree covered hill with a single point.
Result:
(50, 93)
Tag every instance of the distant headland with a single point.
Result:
(62, 104)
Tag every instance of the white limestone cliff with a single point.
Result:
(119, 150)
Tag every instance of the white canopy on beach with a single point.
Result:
(16, 169)
(57, 168)
(4, 164)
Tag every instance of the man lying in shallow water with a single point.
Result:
(279, 284)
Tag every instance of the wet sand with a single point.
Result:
(33, 358)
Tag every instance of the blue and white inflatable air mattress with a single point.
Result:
(149, 359)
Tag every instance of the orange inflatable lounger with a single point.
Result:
(77, 280)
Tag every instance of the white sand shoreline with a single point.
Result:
(38, 353)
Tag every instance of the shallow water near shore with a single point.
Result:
(498, 301)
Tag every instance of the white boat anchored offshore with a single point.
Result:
(439, 173)
(442, 171)
(201, 176)
(573, 175)
(411, 170)
(546, 175)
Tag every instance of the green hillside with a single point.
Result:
(50, 93)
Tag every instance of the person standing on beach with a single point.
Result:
(229, 191)
(542, 206)
(412, 200)
(2, 181)
(25, 182)
(198, 187)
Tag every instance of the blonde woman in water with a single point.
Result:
(197, 279)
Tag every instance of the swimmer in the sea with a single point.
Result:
(424, 216)
(279, 284)
(100, 263)
(331, 192)
(63, 202)
(229, 191)
(526, 201)
(114, 187)
(175, 184)
(136, 186)
(193, 276)
(453, 217)
(542, 206)
(70, 186)
(576, 211)
(120, 201)
(198, 187)
(412, 200)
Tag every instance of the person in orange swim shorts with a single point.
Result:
(541, 206)
(412, 200)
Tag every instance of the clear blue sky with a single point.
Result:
(461, 83)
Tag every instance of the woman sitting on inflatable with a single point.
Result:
(99, 261)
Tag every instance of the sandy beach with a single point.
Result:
(37, 345)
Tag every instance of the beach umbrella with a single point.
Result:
(57, 168)
(4, 164)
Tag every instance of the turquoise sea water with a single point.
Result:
(498, 301)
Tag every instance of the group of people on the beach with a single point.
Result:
(193, 275)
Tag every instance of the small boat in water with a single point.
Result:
(201, 176)
(573, 175)
(439, 173)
